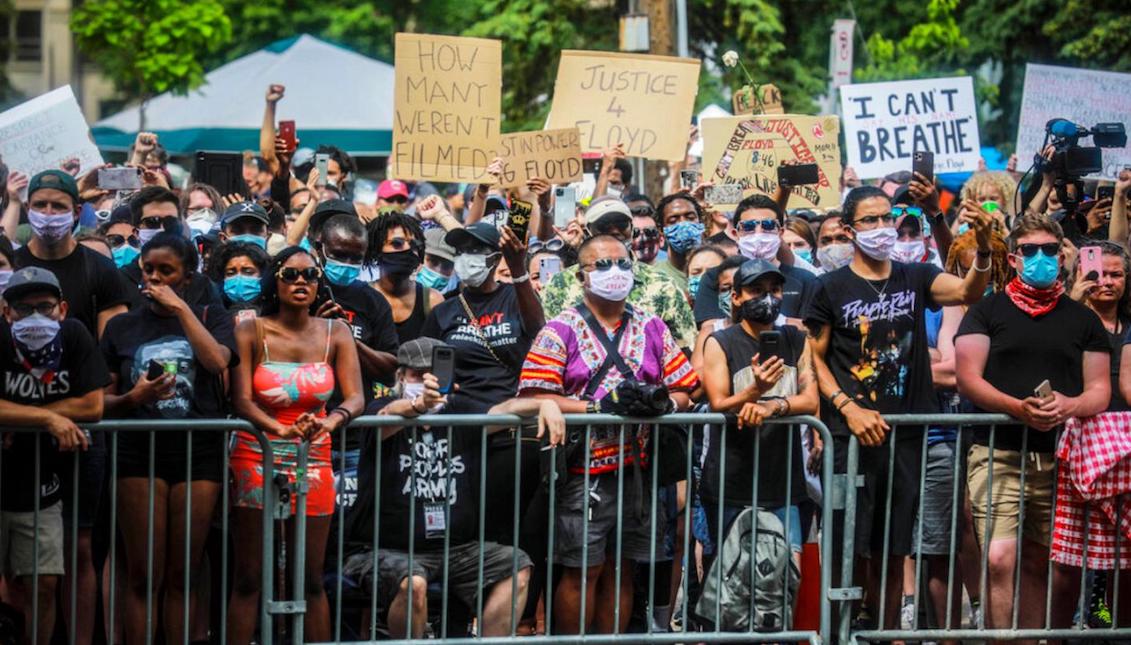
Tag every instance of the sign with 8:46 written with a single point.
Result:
(643, 102)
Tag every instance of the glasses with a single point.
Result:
(553, 245)
(646, 233)
(399, 243)
(898, 211)
(117, 240)
(152, 222)
(642, 211)
(1029, 250)
(751, 225)
(871, 220)
(614, 229)
(604, 264)
(41, 308)
(290, 275)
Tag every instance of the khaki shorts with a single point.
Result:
(1005, 513)
(18, 537)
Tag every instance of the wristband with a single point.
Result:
(989, 265)
(413, 405)
(520, 279)
(593, 407)
(344, 412)
(843, 405)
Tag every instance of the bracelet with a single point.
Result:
(832, 397)
(844, 404)
(520, 279)
(412, 404)
(344, 412)
(593, 407)
(989, 265)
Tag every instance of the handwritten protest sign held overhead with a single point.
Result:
(644, 102)
(553, 155)
(747, 150)
(42, 133)
(884, 123)
(1083, 96)
(448, 96)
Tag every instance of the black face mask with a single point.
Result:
(398, 265)
(762, 310)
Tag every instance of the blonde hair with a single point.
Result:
(1000, 179)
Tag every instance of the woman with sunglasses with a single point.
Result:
(396, 246)
(290, 363)
(124, 243)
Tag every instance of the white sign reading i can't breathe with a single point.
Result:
(884, 123)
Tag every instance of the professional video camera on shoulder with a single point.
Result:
(1073, 161)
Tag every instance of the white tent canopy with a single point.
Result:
(334, 95)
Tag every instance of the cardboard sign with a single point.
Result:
(747, 150)
(1083, 96)
(553, 155)
(448, 98)
(42, 133)
(745, 102)
(885, 122)
(642, 101)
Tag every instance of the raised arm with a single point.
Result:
(267, 129)
(1117, 229)
(948, 289)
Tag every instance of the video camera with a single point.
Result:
(1071, 162)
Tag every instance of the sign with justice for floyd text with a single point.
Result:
(448, 97)
(643, 102)
(553, 155)
(747, 151)
(46, 131)
(884, 123)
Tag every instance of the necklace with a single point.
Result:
(879, 292)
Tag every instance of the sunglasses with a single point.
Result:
(401, 244)
(1029, 250)
(41, 308)
(872, 220)
(117, 240)
(604, 264)
(152, 223)
(646, 233)
(898, 211)
(642, 211)
(601, 228)
(552, 245)
(290, 275)
(751, 225)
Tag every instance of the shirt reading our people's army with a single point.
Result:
(653, 292)
(82, 371)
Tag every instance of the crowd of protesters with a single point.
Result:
(298, 310)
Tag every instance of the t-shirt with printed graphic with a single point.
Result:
(370, 319)
(878, 350)
(483, 380)
(81, 371)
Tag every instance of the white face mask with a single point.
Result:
(146, 234)
(909, 251)
(35, 331)
(877, 243)
(760, 246)
(50, 228)
(5, 276)
(835, 256)
(473, 268)
(412, 390)
(612, 285)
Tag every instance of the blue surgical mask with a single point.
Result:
(125, 255)
(724, 303)
(428, 278)
(962, 228)
(693, 285)
(304, 244)
(1040, 271)
(804, 254)
(340, 273)
(248, 238)
(683, 236)
(241, 288)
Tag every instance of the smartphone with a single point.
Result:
(548, 267)
(154, 370)
(325, 294)
(322, 163)
(518, 218)
(221, 170)
(798, 175)
(1043, 391)
(287, 134)
(769, 345)
(688, 179)
(724, 194)
(119, 178)
(1091, 262)
(444, 367)
(565, 205)
(923, 162)
(1105, 192)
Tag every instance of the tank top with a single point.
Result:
(288, 390)
(409, 328)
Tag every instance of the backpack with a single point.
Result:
(775, 584)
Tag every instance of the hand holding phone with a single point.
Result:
(1043, 391)
(518, 218)
(923, 162)
(548, 267)
(1091, 263)
(119, 178)
(322, 164)
(444, 367)
(805, 174)
(769, 345)
(287, 134)
(565, 205)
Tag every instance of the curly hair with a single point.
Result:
(1000, 179)
(668, 199)
(379, 227)
(1000, 273)
(219, 259)
(1111, 249)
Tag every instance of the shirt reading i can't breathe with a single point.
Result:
(878, 348)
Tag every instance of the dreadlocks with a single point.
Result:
(1000, 272)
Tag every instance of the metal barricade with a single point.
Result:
(355, 607)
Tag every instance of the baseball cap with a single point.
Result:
(240, 210)
(434, 244)
(392, 188)
(417, 353)
(606, 206)
(31, 279)
(902, 195)
(494, 203)
(330, 208)
(752, 270)
(56, 179)
(479, 232)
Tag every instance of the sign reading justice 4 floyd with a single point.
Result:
(884, 123)
(42, 133)
(553, 155)
(644, 102)
(448, 97)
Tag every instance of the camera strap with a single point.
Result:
(611, 345)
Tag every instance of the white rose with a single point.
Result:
(730, 58)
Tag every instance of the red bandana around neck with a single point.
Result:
(1033, 301)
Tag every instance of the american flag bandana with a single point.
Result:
(42, 363)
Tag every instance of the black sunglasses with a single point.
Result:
(117, 240)
(290, 275)
(646, 233)
(41, 308)
(1029, 250)
(604, 264)
(152, 222)
(642, 211)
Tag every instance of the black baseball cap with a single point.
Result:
(31, 280)
(752, 270)
(330, 208)
(479, 232)
(240, 210)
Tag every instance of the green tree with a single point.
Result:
(150, 46)
(931, 48)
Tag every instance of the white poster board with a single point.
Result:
(1083, 96)
(42, 133)
(885, 122)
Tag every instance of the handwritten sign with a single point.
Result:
(448, 96)
(553, 155)
(644, 102)
(42, 133)
(747, 150)
(885, 122)
(1083, 96)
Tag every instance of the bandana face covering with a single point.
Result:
(1034, 301)
(39, 345)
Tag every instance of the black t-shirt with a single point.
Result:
(775, 456)
(878, 351)
(82, 371)
(409, 328)
(199, 291)
(370, 319)
(483, 380)
(799, 284)
(1117, 340)
(1025, 351)
(91, 283)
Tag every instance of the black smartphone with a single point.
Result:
(518, 218)
(798, 175)
(221, 170)
(769, 345)
(154, 370)
(325, 294)
(923, 162)
(1105, 192)
(444, 367)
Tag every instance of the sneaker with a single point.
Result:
(907, 613)
(975, 616)
(1100, 615)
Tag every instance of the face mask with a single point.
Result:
(5, 276)
(877, 243)
(804, 254)
(248, 238)
(693, 285)
(612, 285)
(144, 235)
(399, 265)
(428, 278)
(125, 254)
(340, 273)
(1040, 271)
(201, 214)
(909, 251)
(724, 303)
(835, 256)
(962, 228)
(473, 268)
(50, 228)
(760, 246)
(412, 390)
(241, 288)
(35, 331)
(762, 310)
(304, 244)
(684, 236)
